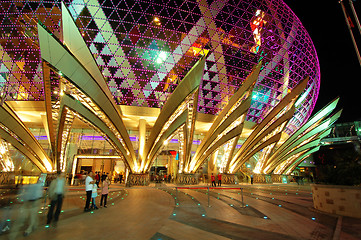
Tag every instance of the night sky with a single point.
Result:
(340, 69)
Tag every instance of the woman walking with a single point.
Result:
(105, 191)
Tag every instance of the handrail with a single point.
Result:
(176, 196)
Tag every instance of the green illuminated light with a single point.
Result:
(161, 57)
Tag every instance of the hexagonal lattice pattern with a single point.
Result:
(144, 48)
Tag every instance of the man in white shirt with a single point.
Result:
(88, 189)
(56, 194)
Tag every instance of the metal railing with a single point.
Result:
(207, 188)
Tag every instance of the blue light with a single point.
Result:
(313, 219)
(265, 217)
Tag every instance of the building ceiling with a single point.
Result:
(31, 112)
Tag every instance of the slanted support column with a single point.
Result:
(212, 165)
(54, 156)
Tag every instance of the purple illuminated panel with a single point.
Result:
(41, 138)
(145, 48)
(95, 138)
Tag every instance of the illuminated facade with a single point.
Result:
(145, 48)
(139, 53)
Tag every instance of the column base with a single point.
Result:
(279, 178)
(5, 178)
(187, 179)
(262, 178)
(138, 179)
(229, 178)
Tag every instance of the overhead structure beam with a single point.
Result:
(62, 59)
(266, 127)
(14, 131)
(311, 132)
(173, 107)
(74, 105)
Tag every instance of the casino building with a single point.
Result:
(182, 87)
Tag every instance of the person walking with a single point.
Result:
(219, 176)
(56, 193)
(213, 179)
(30, 196)
(104, 176)
(105, 192)
(120, 178)
(88, 189)
(169, 178)
(251, 178)
(97, 178)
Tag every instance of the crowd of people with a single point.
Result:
(161, 177)
(96, 186)
(32, 196)
(92, 185)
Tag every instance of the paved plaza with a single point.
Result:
(162, 211)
